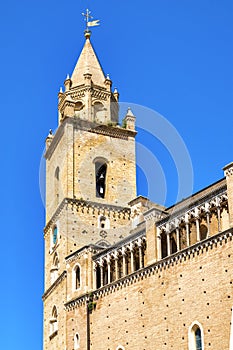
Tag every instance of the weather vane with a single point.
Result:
(89, 23)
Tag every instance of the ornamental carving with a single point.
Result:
(103, 234)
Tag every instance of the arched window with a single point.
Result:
(99, 112)
(196, 336)
(76, 277)
(54, 269)
(78, 107)
(56, 185)
(203, 231)
(76, 341)
(100, 171)
(53, 322)
(102, 222)
(120, 347)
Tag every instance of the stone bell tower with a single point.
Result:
(88, 92)
(90, 179)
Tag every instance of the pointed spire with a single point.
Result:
(129, 112)
(88, 63)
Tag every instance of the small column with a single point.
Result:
(187, 234)
(178, 238)
(219, 218)
(94, 277)
(109, 270)
(187, 229)
(168, 240)
(124, 264)
(131, 259)
(208, 223)
(101, 275)
(198, 229)
(159, 245)
(140, 255)
(116, 266)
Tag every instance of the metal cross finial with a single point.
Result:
(87, 16)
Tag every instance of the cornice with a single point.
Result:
(58, 135)
(81, 203)
(91, 248)
(54, 285)
(189, 205)
(85, 125)
(168, 262)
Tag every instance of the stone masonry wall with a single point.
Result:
(156, 311)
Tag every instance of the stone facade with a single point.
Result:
(123, 273)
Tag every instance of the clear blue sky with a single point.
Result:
(172, 56)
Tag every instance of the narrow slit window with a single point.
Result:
(101, 170)
(77, 281)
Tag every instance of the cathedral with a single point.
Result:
(122, 272)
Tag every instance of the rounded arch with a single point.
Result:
(103, 243)
(54, 268)
(78, 106)
(53, 323)
(100, 177)
(203, 231)
(76, 277)
(99, 112)
(100, 159)
(120, 347)
(196, 336)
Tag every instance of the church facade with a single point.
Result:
(121, 272)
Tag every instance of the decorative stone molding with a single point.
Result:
(54, 285)
(154, 214)
(83, 251)
(122, 247)
(228, 170)
(97, 208)
(177, 258)
(197, 199)
(167, 224)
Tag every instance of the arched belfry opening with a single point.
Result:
(100, 175)
(99, 112)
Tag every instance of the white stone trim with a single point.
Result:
(76, 343)
(77, 265)
(191, 335)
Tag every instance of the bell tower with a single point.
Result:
(90, 157)
(90, 179)
(88, 93)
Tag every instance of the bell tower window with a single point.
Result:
(100, 170)
(99, 112)
(78, 107)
